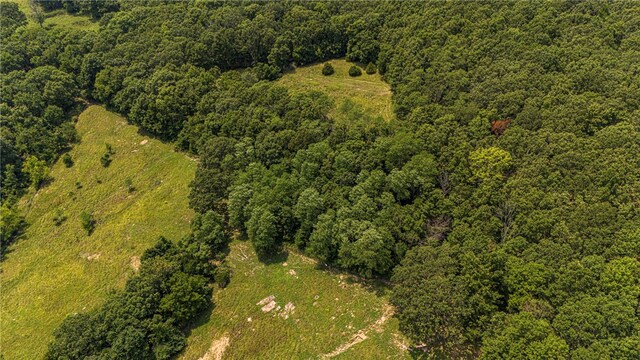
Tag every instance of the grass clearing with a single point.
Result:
(313, 313)
(59, 18)
(58, 270)
(367, 91)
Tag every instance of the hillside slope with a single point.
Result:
(54, 270)
(290, 308)
(367, 91)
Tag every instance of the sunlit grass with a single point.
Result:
(58, 270)
(368, 91)
(330, 308)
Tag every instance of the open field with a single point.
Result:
(59, 18)
(57, 270)
(288, 308)
(367, 91)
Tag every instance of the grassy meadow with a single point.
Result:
(366, 91)
(54, 270)
(331, 314)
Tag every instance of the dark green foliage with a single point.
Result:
(327, 69)
(370, 69)
(105, 159)
(66, 159)
(128, 183)
(354, 71)
(11, 224)
(59, 217)
(262, 231)
(222, 276)
(521, 243)
(10, 18)
(208, 229)
(146, 319)
(87, 222)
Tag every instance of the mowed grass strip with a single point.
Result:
(330, 310)
(54, 270)
(367, 91)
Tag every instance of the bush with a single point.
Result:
(327, 69)
(222, 276)
(59, 217)
(66, 159)
(129, 184)
(370, 69)
(354, 71)
(88, 222)
(105, 160)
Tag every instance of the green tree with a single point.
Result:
(369, 254)
(36, 169)
(370, 69)
(489, 163)
(522, 336)
(309, 206)
(354, 71)
(262, 231)
(188, 296)
(208, 228)
(87, 222)
(327, 69)
(66, 159)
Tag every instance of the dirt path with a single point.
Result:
(361, 335)
(217, 349)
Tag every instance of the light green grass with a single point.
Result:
(59, 18)
(330, 309)
(62, 19)
(368, 91)
(46, 274)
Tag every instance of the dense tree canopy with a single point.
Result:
(518, 243)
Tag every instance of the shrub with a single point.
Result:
(59, 217)
(327, 69)
(105, 160)
(354, 71)
(88, 222)
(66, 159)
(222, 276)
(129, 184)
(370, 69)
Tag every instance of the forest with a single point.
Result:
(502, 201)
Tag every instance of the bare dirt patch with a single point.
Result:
(216, 350)
(267, 303)
(135, 263)
(90, 257)
(288, 310)
(361, 335)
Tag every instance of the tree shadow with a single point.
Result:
(379, 286)
(281, 256)
(5, 244)
(201, 320)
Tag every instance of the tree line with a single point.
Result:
(515, 244)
